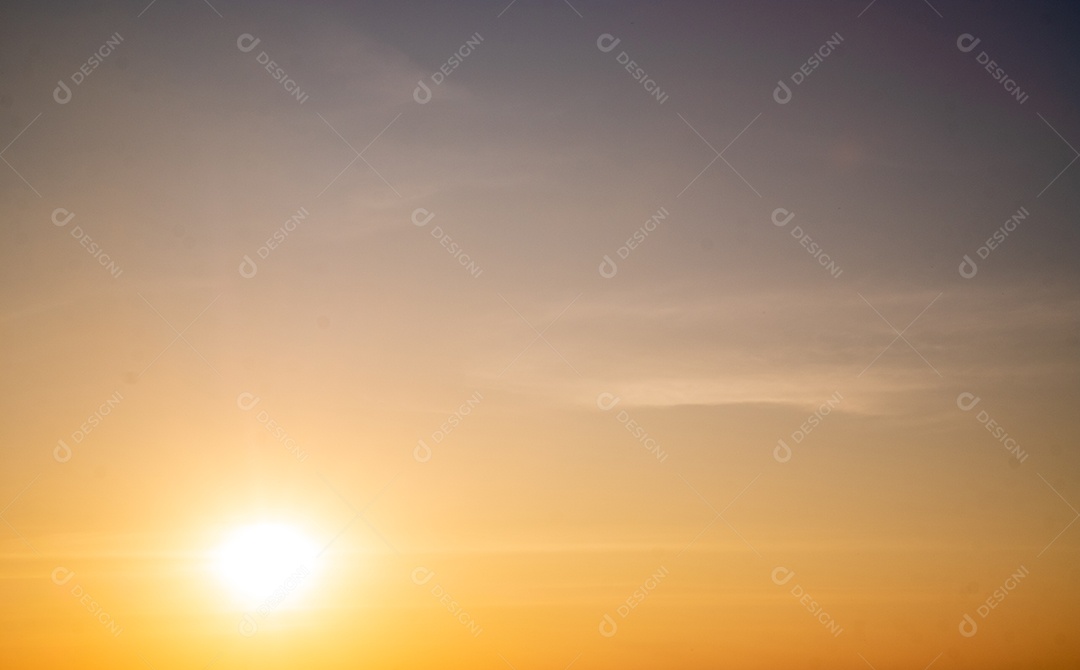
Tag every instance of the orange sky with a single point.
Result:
(529, 421)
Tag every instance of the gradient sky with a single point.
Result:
(540, 513)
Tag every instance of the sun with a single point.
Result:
(261, 560)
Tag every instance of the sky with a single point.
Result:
(578, 333)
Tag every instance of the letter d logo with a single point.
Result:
(781, 575)
(62, 452)
(966, 401)
(248, 268)
(61, 94)
(421, 217)
(247, 625)
(782, 452)
(781, 94)
(247, 42)
(246, 401)
(421, 93)
(608, 627)
(611, 42)
(61, 576)
(422, 452)
(781, 217)
(968, 627)
(606, 401)
(61, 213)
(966, 43)
(968, 267)
(422, 575)
(608, 269)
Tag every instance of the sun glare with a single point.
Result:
(260, 560)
